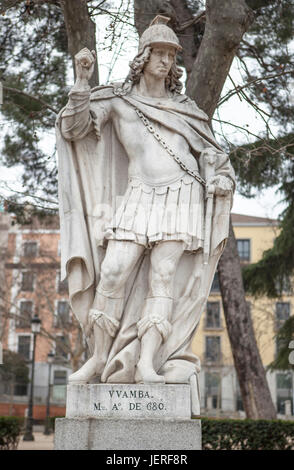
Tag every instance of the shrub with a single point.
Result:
(247, 434)
(10, 430)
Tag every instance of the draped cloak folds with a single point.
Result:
(93, 173)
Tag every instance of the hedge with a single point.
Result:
(247, 434)
(10, 430)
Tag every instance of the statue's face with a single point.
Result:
(160, 62)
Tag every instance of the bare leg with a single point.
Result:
(104, 317)
(154, 327)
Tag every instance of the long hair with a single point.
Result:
(137, 65)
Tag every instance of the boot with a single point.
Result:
(153, 329)
(104, 325)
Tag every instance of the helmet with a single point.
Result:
(159, 33)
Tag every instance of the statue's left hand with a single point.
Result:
(223, 185)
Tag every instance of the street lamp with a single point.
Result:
(50, 359)
(28, 435)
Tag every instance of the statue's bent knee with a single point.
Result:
(113, 278)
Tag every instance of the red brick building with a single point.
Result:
(30, 285)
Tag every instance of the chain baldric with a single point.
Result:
(162, 142)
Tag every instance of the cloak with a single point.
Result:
(93, 173)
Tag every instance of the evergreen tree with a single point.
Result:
(34, 61)
(283, 338)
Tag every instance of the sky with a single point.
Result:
(113, 66)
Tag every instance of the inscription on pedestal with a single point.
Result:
(130, 401)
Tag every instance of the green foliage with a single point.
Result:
(247, 434)
(263, 163)
(259, 165)
(14, 366)
(33, 61)
(10, 430)
(266, 53)
(283, 337)
(268, 276)
(268, 45)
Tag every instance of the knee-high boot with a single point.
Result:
(103, 322)
(153, 329)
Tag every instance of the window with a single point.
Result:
(27, 282)
(212, 349)
(62, 286)
(213, 315)
(243, 247)
(25, 314)
(60, 377)
(59, 386)
(284, 391)
(215, 283)
(20, 390)
(282, 313)
(61, 350)
(24, 346)
(212, 390)
(30, 249)
(62, 317)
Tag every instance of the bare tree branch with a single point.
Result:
(188, 23)
(31, 97)
(238, 88)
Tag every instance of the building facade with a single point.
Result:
(30, 284)
(220, 392)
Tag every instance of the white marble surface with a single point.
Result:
(132, 401)
(128, 434)
(139, 143)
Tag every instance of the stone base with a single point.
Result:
(128, 417)
(129, 401)
(127, 434)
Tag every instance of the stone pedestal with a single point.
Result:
(128, 417)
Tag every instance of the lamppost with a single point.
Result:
(50, 359)
(28, 435)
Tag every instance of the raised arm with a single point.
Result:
(76, 120)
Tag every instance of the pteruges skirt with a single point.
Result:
(150, 213)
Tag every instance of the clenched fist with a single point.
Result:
(84, 62)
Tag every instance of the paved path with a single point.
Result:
(41, 442)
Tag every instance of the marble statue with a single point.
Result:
(145, 196)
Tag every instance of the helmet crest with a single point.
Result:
(159, 33)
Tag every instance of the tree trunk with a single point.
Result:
(226, 23)
(80, 31)
(189, 37)
(251, 374)
(223, 33)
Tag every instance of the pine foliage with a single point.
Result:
(34, 61)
